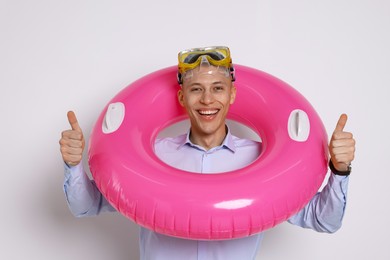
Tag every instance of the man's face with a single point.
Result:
(207, 96)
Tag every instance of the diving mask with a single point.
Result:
(217, 56)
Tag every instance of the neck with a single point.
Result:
(208, 141)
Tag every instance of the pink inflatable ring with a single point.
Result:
(287, 174)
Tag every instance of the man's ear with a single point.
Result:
(233, 94)
(180, 97)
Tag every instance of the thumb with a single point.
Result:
(341, 123)
(73, 121)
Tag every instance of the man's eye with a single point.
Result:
(195, 89)
(219, 88)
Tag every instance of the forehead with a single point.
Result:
(206, 75)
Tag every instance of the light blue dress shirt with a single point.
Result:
(324, 213)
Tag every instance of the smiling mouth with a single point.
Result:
(208, 112)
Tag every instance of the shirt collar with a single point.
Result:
(227, 143)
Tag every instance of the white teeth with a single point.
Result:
(207, 112)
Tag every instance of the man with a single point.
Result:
(206, 77)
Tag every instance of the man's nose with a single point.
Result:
(207, 97)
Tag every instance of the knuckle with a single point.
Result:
(62, 141)
(63, 149)
(336, 135)
(65, 133)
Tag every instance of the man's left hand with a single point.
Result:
(342, 146)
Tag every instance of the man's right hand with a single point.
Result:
(72, 142)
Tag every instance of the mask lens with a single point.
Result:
(194, 57)
(218, 56)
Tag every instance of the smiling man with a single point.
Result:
(207, 96)
(206, 77)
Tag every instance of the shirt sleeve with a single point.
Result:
(82, 195)
(325, 211)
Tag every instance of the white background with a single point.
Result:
(62, 55)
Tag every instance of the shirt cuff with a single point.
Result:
(73, 171)
(339, 183)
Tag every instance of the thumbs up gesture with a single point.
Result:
(342, 146)
(72, 142)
